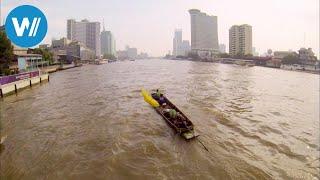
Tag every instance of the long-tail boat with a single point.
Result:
(181, 123)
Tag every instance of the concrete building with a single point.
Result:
(282, 54)
(122, 55)
(222, 48)
(85, 32)
(108, 43)
(240, 40)
(66, 51)
(129, 53)
(177, 41)
(185, 48)
(60, 43)
(204, 31)
(180, 47)
(132, 52)
(143, 55)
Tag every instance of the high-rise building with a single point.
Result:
(132, 52)
(185, 47)
(108, 43)
(204, 31)
(85, 32)
(240, 40)
(177, 41)
(180, 47)
(222, 48)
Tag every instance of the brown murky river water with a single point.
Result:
(92, 123)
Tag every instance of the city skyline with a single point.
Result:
(284, 24)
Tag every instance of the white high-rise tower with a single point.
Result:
(85, 32)
(177, 41)
(204, 31)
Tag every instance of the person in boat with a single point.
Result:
(170, 113)
(157, 95)
(161, 99)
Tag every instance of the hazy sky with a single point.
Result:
(149, 24)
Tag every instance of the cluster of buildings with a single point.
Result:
(180, 47)
(131, 53)
(84, 41)
(91, 43)
(303, 59)
(89, 34)
(205, 45)
(204, 38)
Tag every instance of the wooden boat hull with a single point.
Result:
(186, 132)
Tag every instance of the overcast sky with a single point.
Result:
(149, 24)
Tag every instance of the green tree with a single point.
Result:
(248, 55)
(6, 53)
(223, 55)
(290, 59)
(46, 54)
(239, 55)
(109, 56)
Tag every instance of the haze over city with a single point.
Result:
(149, 25)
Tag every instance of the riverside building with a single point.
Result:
(240, 40)
(204, 32)
(85, 32)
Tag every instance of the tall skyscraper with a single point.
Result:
(180, 47)
(204, 31)
(85, 32)
(177, 41)
(108, 43)
(240, 40)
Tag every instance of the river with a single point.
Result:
(92, 123)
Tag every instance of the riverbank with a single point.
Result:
(28, 80)
(55, 68)
(239, 64)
